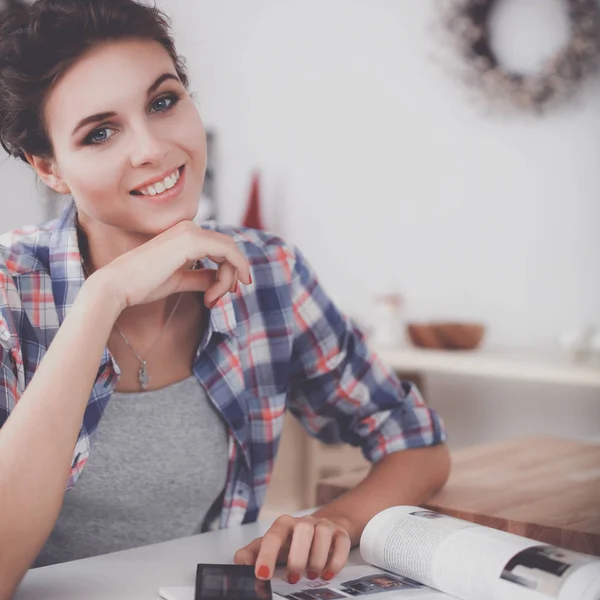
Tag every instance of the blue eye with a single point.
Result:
(170, 100)
(92, 139)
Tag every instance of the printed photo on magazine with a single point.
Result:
(351, 583)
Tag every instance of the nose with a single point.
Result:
(147, 148)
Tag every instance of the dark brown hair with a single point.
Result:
(38, 44)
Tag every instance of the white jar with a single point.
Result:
(386, 321)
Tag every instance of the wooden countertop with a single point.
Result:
(544, 488)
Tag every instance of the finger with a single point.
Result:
(341, 546)
(238, 276)
(272, 543)
(320, 550)
(197, 243)
(224, 280)
(197, 281)
(302, 540)
(234, 288)
(220, 251)
(248, 554)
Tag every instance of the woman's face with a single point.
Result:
(155, 130)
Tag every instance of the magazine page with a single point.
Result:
(473, 562)
(357, 581)
(352, 582)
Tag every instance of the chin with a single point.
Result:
(160, 221)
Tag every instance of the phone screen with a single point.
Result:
(230, 582)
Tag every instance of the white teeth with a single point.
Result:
(158, 188)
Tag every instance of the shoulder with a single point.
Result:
(26, 250)
(24, 266)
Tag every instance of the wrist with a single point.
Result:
(99, 293)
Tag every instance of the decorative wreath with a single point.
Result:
(468, 22)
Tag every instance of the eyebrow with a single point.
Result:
(107, 115)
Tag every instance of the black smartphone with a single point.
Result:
(230, 582)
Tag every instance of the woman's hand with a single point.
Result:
(157, 268)
(313, 545)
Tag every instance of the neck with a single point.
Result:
(100, 246)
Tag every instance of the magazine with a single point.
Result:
(413, 553)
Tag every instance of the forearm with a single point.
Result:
(407, 477)
(38, 439)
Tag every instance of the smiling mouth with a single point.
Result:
(161, 183)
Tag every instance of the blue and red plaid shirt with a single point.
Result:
(278, 344)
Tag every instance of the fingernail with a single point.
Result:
(264, 572)
(328, 575)
(293, 578)
(311, 574)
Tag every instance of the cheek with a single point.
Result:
(191, 135)
(94, 182)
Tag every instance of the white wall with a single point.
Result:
(23, 201)
(376, 163)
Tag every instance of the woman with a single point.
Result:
(147, 361)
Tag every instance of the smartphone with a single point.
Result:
(230, 582)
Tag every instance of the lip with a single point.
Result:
(156, 179)
(167, 194)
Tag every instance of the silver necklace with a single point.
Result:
(143, 376)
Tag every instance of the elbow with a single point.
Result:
(6, 589)
(11, 573)
(9, 582)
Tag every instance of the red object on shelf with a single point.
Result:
(253, 218)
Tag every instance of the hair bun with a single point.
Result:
(14, 20)
(14, 13)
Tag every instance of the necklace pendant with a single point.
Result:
(143, 376)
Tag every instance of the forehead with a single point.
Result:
(110, 77)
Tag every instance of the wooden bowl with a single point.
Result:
(446, 335)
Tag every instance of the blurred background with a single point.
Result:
(381, 164)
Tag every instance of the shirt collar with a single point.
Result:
(66, 271)
(67, 276)
(222, 316)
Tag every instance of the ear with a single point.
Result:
(48, 173)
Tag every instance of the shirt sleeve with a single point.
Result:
(340, 390)
(8, 385)
(9, 388)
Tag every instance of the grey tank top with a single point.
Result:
(158, 463)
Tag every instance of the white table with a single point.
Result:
(552, 368)
(138, 574)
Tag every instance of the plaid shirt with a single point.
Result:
(279, 344)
